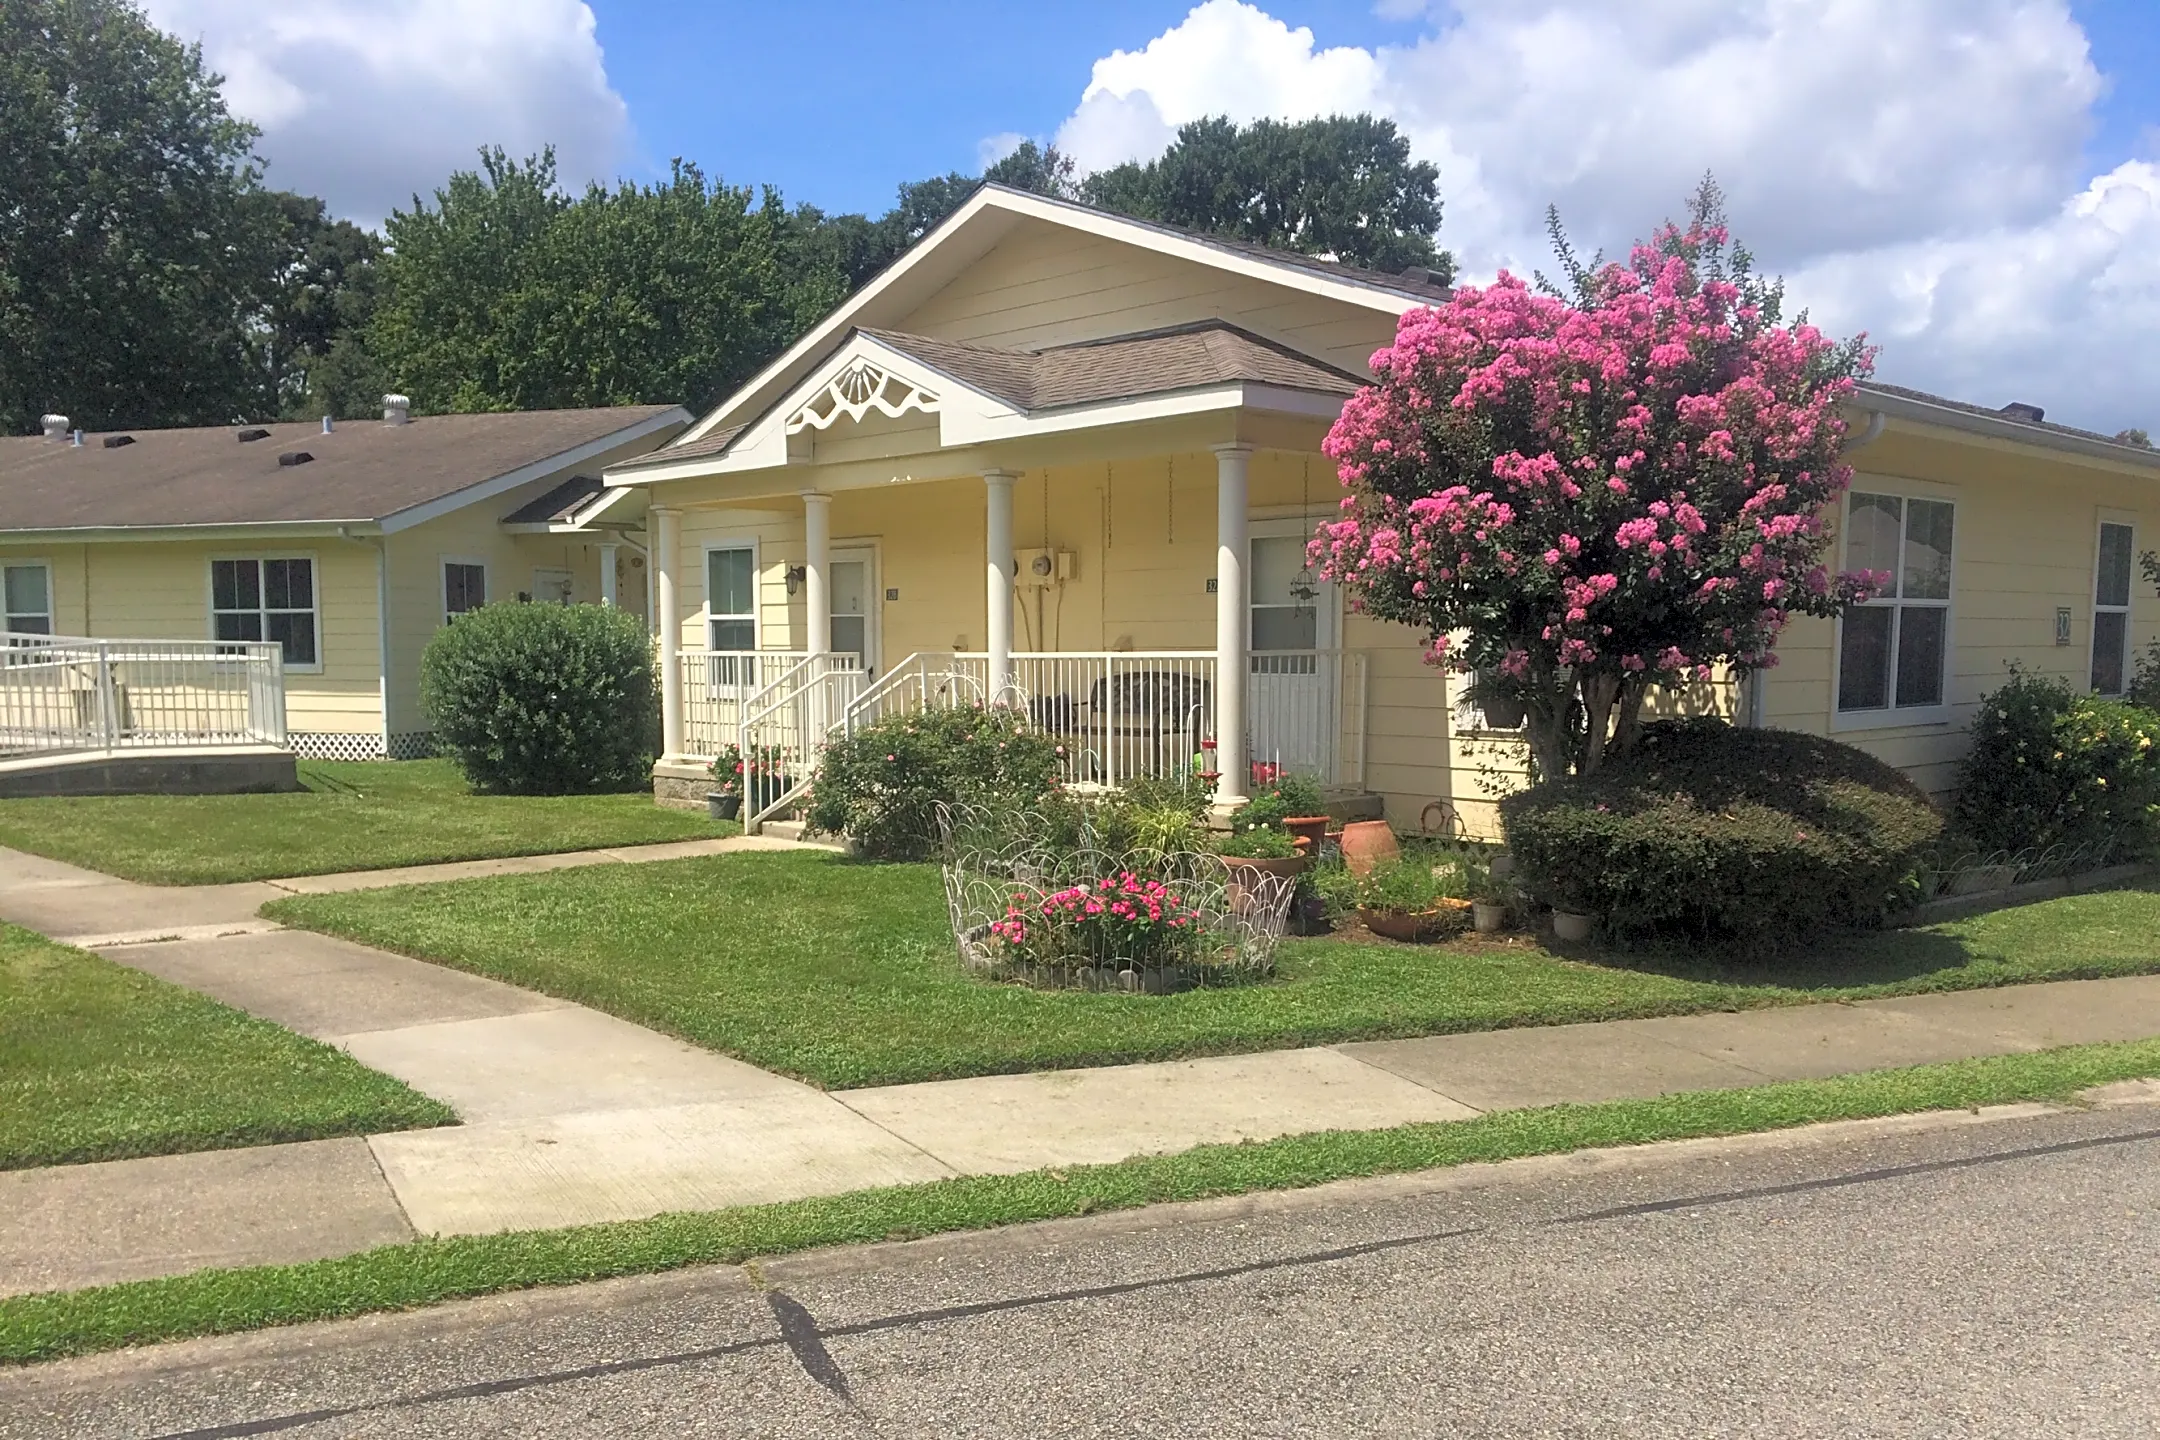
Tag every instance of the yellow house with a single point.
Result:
(1068, 461)
(350, 545)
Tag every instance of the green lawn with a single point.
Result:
(427, 1272)
(843, 973)
(351, 816)
(100, 1062)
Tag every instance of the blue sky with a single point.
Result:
(1973, 183)
(900, 91)
(904, 91)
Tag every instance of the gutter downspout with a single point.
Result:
(381, 544)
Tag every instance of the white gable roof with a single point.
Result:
(987, 217)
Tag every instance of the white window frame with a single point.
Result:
(442, 577)
(2128, 522)
(1328, 632)
(257, 558)
(757, 589)
(52, 620)
(1894, 715)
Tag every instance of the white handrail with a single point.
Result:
(72, 693)
(1129, 713)
(789, 720)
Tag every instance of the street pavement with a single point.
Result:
(1991, 1274)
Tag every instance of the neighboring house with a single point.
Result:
(350, 545)
(1070, 460)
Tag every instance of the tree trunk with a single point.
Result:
(1627, 726)
(1599, 693)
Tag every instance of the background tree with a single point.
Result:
(319, 291)
(1603, 492)
(131, 256)
(504, 293)
(2134, 436)
(1343, 187)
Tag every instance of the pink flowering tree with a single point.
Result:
(1605, 492)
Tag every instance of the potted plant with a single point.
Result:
(724, 800)
(1490, 896)
(1262, 850)
(1409, 899)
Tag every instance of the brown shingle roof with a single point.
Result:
(559, 506)
(1089, 372)
(1124, 367)
(2044, 427)
(363, 471)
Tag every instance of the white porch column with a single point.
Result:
(817, 570)
(607, 574)
(666, 548)
(1233, 648)
(998, 577)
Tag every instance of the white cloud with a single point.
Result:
(1907, 166)
(367, 103)
(993, 148)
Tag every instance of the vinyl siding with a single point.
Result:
(1047, 285)
(161, 591)
(2026, 543)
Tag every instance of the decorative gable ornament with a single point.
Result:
(855, 392)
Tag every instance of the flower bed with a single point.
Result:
(1080, 917)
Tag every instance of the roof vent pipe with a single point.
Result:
(396, 409)
(56, 426)
(326, 425)
(76, 441)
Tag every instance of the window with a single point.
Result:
(731, 598)
(1285, 592)
(266, 600)
(1895, 650)
(464, 587)
(29, 599)
(850, 601)
(2111, 610)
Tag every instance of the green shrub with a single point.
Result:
(1184, 791)
(882, 785)
(1261, 842)
(1723, 833)
(544, 699)
(1282, 796)
(2049, 766)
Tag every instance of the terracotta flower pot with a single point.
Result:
(1289, 866)
(1444, 918)
(1309, 828)
(1365, 843)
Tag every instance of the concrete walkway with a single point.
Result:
(572, 1116)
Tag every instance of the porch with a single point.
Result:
(1117, 715)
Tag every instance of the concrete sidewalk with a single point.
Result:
(90, 909)
(573, 1116)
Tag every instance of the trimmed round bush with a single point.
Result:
(882, 785)
(544, 699)
(2049, 766)
(1724, 833)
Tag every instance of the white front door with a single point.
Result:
(853, 588)
(1295, 683)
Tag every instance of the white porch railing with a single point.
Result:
(784, 728)
(62, 693)
(1123, 714)
(718, 687)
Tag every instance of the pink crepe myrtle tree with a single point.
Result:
(1606, 491)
